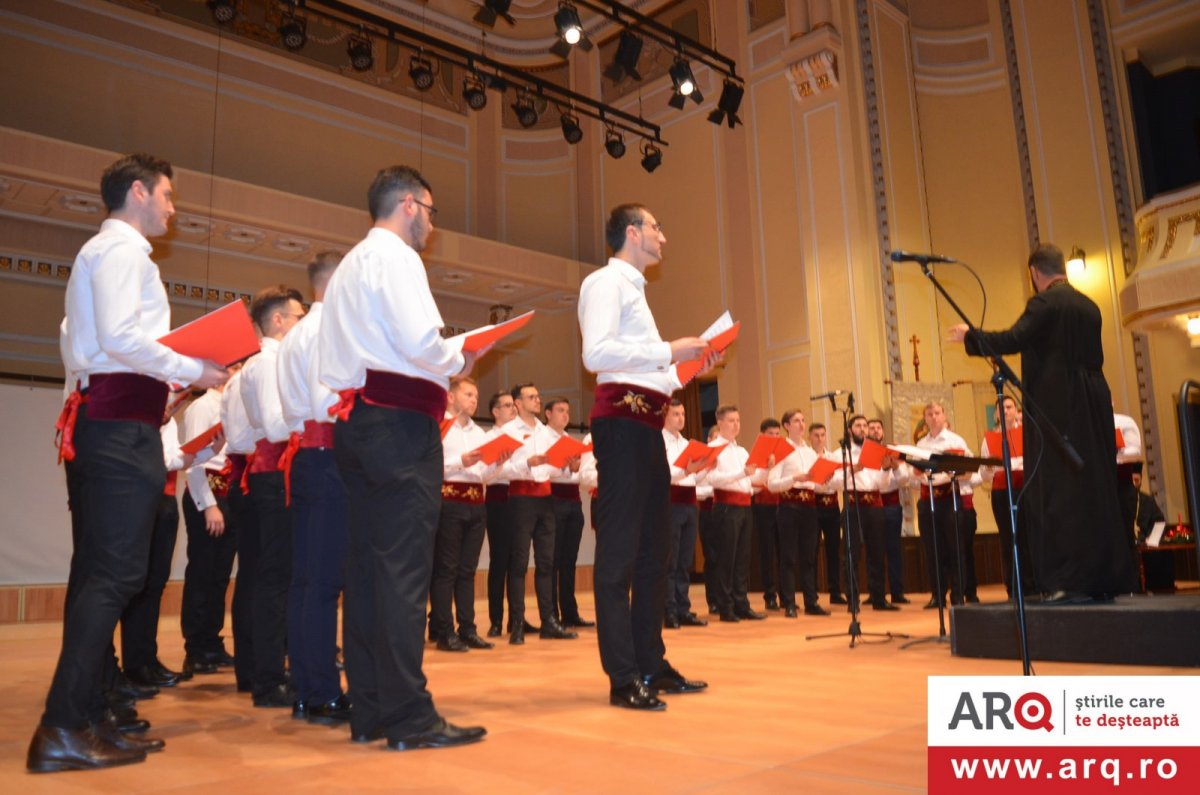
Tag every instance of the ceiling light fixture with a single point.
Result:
(685, 84)
(728, 104)
(651, 156)
(570, 31)
(614, 143)
(293, 33)
(420, 69)
(473, 93)
(625, 61)
(527, 114)
(491, 9)
(222, 10)
(571, 130)
(1077, 262)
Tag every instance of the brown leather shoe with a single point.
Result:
(107, 731)
(54, 749)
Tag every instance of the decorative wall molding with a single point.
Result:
(1018, 108)
(815, 74)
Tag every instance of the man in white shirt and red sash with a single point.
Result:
(829, 515)
(382, 349)
(503, 408)
(116, 310)
(568, 521)
(685, 522)
(799, 536)
(634, 379)
(894, 474)
(1000, 505)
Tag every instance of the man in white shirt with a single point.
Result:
(894, 474)
(381, 348)
(239, 446)
(532, 515)
(765, 509)
(685, 521)
(947, 562)
(275, 311)
(1130, 460)
(829, 515)
(634, 379)
(798, 532)
(116, 310)
(503, 409)
(1001, 506)
(568, 521)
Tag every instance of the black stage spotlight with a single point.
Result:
(570, 31)
(614, 142)
(491, 9)
(359, 50)
(651, 157)
(685, 84)
(572, 132)
(629, 50)
(473, 92)
(222, 10)
(728, 104)
(420, 69)
(294, 32)
(527, 114)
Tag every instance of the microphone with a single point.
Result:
(924, 259)
(826, 395)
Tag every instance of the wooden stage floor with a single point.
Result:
(780, 715)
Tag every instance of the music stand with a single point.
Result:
(954, 465)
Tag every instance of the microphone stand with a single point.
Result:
(849, 485)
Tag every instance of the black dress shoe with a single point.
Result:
(127, 725)
(837, 599)
(494, 630)
(552, 630)
(54, 749)
(530, 628)
(731, 617)
(299, 709)
(117, 702)
(440, 735)
(451, 643)
(473, 641)
(149, 676)
(815, 610)
(517, 638)
(671, 622)
(165, 671)
(669, 680)
(934, 603)
(133, 690)
(577, 622)
(279, 696)
(883, 605)
(198, 665)
(331, 713)
(366, 737)
(1066, 598)
(772, 603)
(791, 611)
(900, 599)
(751, 615)
(223, 659)
(635, 695)
(690, 619)
(107, 731)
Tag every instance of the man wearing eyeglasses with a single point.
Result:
(634, 381)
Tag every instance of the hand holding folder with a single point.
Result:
(720, 335)
(486, 336)
(765, 447)
(193, 446)
(224, 336)
(490, 452)
(565, 449)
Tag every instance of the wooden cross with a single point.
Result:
(914, 339)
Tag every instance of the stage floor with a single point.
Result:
(781, 714)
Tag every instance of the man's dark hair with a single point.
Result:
(120, 176)
(622, 216)
(787, 415)
(857, 417)
(495, 400)
(725, 409)
(390, 187)
(816, 426)
(675, 402)
(268, 300)
(554, 401)
(1047, 259)
(874, 419)
(769, 422)
(321, 268)
(516, 390)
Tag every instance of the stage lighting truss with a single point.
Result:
(684, 83)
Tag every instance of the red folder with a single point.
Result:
(565, 448)
(1016, 442)
(193, 446)
(444, 426)
(693, 452)
(490, 452)
(766, 446)
(224, 336)
(713, 454)
(1120, 439)
(823, 470)
(480, 338)
(872, 454)
(687, 370)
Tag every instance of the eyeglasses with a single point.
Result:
(433, 211)
(655, 227)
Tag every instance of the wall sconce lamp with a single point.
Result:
(1076, 263)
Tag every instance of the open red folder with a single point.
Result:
(480, 338)
(823, 470)
(1120, 439)
(193, 446)
(1016, 442)
(872, 454)
(491, 451)
(444, 426)
(224, 335)
(693, 452)
(766, 446)
(719, 343)
(565, 448)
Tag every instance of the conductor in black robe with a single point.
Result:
(1081, 550)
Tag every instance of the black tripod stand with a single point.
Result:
(850, 486)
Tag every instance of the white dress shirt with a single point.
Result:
(676, 443)
(302, 396)
(172, 452)
(864, 479)
(782, 476)
(461, 439)
(535, 440)
(239, 433)
(202, 414)
(116, 309)
(1132, 451)
(260, 394)
(380, 315)
(946, 440)
(729, 474)
(587, 468)
(621, 342)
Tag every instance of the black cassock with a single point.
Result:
(1077, 539)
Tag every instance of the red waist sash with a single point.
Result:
(942, 492)
(172, 486)
(869, 498)
(725, 497)
(998, 479)
(236, 462)
(683, 495)
(470, 493)
(890, 497)
(317, 434)
(968, 501)
(794, 496)
(528, 488)
(628, 402)
(565, 491)
(705, 504)
(111, 396)
(765, 497)
(826, 500)
(394, 391)
(266, 457)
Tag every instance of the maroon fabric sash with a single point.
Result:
(683, 495)
(470, 493)
(628, 402)
(724, 497)
(765, 497)
(890, 497)
(317, 434)
(795, 496)
(126, 396)
(565, 491)
(871, 499)
(396, 391)
(266, 456)
(237, 466)
(528, 488)
(827, 500)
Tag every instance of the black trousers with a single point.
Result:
(139, 622)
(568, 532)
(455, 557)
(766, 527)
(1003, 517)
(798, 541)
(945, 563)
(499, 538)
(206, 579)
(731, 543)
(893, 528)
(829, 522)
(532, 518)
(272, 577)
(868, 534)
(391, 463)
(968, 525)
(707, 536)
(113, 486)
(682, 551)
(631, 547)
(318, 575)
(249, 543)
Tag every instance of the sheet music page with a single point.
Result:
(723, 323)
